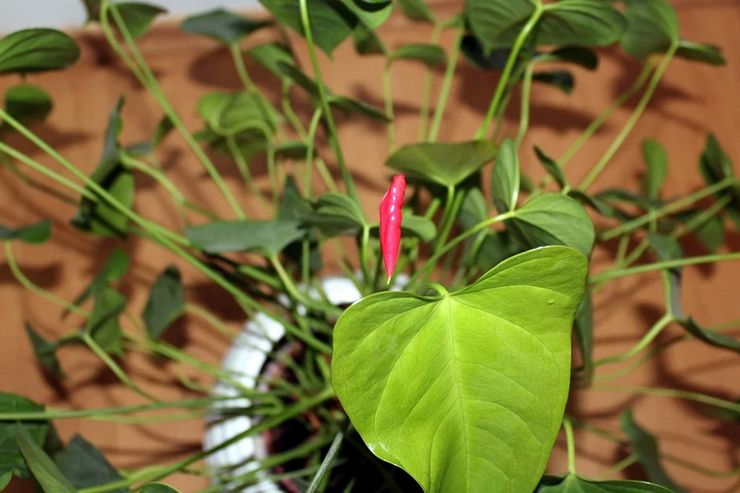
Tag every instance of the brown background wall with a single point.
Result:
(693, 100)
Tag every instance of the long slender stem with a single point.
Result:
(326, 463)
(673, 393)
(324, 99)
(570, 444)
(142, 71)
(444, 91)
(526, 98)
(310, 150)
(631, 122)
(506, 73)
(668, 264)
(390, 125)
(669, 208)
(651, 334)
(426, 96)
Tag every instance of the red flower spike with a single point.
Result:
(391, 215)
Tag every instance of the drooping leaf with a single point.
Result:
(331, 22)
(574, 484)
(42, 467)
(446, 164)
(485, 412)
(416, 10)
(337, 214)
(265, 237)
(700, 52)
(645, 446)
(229, 114)
(709, 336)
(709, 230)
(715, 165)
(138, 16)
(85, 466)
(349, 105)
(367, 41)
(36, 50)
(552, 167)
(578, 55)
(429, 54)
(34, 233)
(555, 219)
(271, 56)
(656, 160)
(45, 351)
(497, 23)
(166, 302)
(27, 103)
(562, 79)
(505, 177)
(102, 325)
(222, 25)
(652, 27)
(11, 459)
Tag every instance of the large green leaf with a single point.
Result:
(11, 459)
(43, 468)
(497, 23)
(222, 25)
(652, 27)
(573, 484)
(34, 233)
(645, 446)
(35, 50)
(331, 21)
(265, 237)
(555, 219)
(166, 302)
(85, 466)
(484, 413)
(505, 177)
(446, 164)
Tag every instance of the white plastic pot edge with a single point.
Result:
(244, 360)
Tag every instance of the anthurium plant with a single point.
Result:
(452, 370)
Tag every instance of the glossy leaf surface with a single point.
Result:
(446, 164)
(36, 50)
(555, 219)
(485, 411)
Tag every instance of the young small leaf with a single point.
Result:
(45, 351)
(223, 26)
(700, 52)
(656, 160)
(554, 219)
(552, 167)
(35, 233)
(27, 103)
(505, 177)
(36, 50)
(43, 468)
(265, 237)
(138, 17)
(271, 56)
(166, 302)
(645, 446)
(446, 164)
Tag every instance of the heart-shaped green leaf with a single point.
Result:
(228, 114)
(505, 177)
(497, 23)
(331, 22)
(555, 219)
(35, 233)
(166, 302)
(265, 237)
(446, 164)
(652, 27)
(573, 484)
(221, 25)
(484, 412)
(35, 50)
